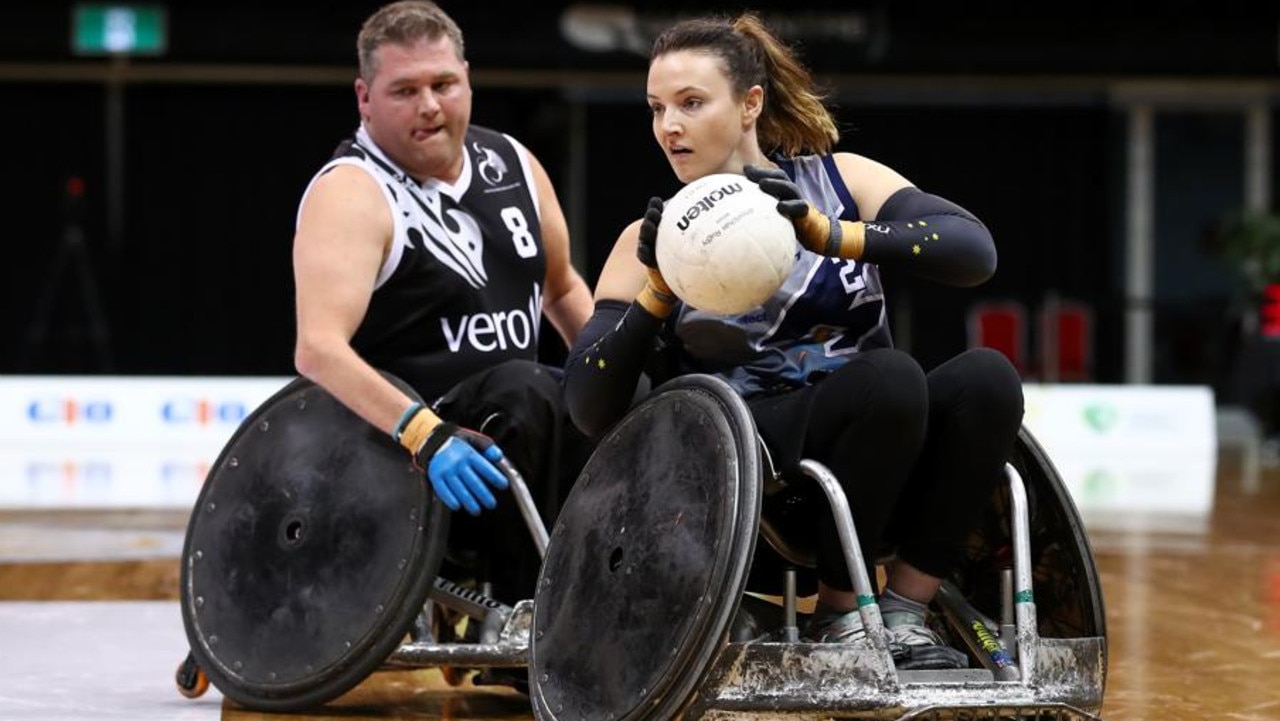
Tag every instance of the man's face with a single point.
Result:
(418, 106)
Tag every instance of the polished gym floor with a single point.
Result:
(90, 626)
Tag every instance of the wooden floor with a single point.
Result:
(1193, 611)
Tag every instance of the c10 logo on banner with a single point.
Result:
(69, 411)
(202, 411)
(69, 473)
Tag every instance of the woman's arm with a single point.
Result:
(608, 358)
(906, 228)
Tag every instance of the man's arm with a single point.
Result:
(565, 298)
(343, 235)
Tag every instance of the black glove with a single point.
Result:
(776, 183)
(656, 297)
(647, 248)
(816, 231)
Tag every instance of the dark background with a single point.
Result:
(1007, 108)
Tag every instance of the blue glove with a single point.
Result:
(460, 466)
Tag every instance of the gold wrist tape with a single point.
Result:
(855, 239)
(417, 429)
(658, 304)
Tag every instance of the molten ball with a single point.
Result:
(722, 245)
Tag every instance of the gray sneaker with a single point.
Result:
(915, 646)
(835, 628)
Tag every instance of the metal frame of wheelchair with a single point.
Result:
(717, 672)
(1022, 675)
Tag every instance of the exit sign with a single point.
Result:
(118, 30)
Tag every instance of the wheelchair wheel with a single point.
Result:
(1068, 595)
(309, 553)
(649, 559)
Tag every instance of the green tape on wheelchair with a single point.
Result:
(1023, 597)
(866, 601)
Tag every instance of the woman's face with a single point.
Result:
(697, 120)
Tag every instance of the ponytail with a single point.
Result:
(794, 120)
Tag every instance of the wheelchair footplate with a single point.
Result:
(502, 640)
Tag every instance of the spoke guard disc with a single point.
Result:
(308, 554)
(649, 559)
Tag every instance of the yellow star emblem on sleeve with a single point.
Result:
(915, 249)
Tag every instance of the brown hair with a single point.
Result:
(794, 120)
(403, 23)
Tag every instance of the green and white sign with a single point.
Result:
(118, 30)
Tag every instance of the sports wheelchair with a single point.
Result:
(312, 559)
(641, 609)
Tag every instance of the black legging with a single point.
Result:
(520, 405)
(917, 455)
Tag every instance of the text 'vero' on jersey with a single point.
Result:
(461, 287)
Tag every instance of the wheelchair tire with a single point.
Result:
(309, 552)
(1068, 594)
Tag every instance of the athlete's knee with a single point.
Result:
(993, 384)
(885, 395)
(524, 383)
(532, 372)
(899, 388)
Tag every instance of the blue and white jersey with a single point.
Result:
(827, 310)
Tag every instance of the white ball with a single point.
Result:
(722, 245)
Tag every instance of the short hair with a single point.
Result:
(404, 23)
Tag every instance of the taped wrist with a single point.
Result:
(814, 230)
(437, 438)
(657, 297)
(835, 237)
(830, 236)
(405, 417)
(417, 429)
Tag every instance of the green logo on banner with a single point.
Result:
(1100, 417)
(1099, 486)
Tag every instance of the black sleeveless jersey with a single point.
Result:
(461, 288)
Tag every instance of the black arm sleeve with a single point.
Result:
(606, 364)
(930, 237)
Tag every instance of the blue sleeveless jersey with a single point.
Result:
(827, 310)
